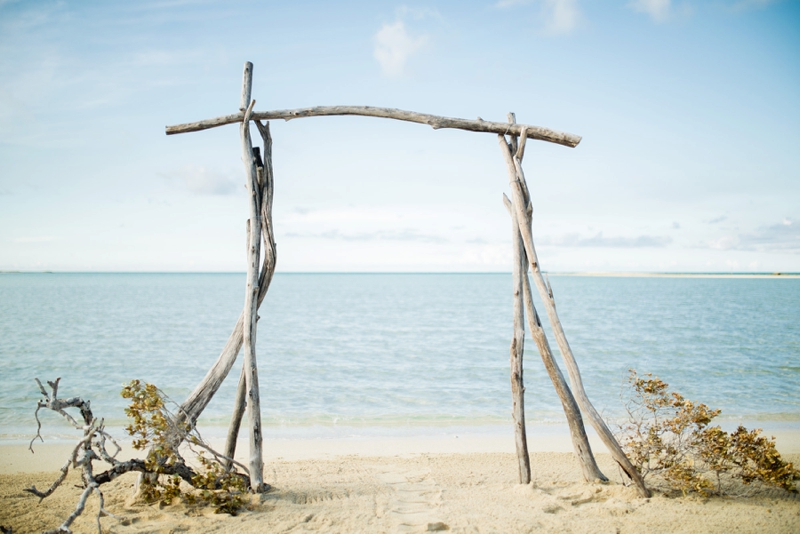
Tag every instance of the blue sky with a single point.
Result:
(689, 113)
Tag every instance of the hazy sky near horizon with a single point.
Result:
(689, 112)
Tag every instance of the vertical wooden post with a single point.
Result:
(194, 405)
(521, 200)
(247, 86)
(517, 350)
(266, 185)
(580, 442)
(249, 325)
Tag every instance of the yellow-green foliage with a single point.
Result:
(151, 423)
(153, 426)
(218, 487)
(669, 436)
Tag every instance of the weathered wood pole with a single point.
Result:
(577, 432)
(266, 179)
(196, 402)
(239, 406)
(519, 269)
(517, 350)
(266, 183)
(434, 121)
(520, 202)
(256, 463)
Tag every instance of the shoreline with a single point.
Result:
(553, 438)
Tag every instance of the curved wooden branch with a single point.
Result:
(435, 121)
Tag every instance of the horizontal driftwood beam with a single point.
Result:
(435, 121)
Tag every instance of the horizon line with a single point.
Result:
(556, 273)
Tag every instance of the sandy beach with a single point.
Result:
(459, 484)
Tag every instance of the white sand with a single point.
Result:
(464, 484)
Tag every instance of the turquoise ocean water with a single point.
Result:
(351, 354)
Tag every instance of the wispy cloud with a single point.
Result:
(599, 240)
(417, 13)
(204, 181)
(658, 10)
(407, 234)
(559, 17)
(716, 220)
(781, 237)
(394, 46)
(33, 239)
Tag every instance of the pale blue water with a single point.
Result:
(365, 351)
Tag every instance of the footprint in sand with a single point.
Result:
(415, 500)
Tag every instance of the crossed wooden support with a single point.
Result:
(260, 186)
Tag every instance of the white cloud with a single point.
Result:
(405, 234)
(559, 16)
(204, 181)
(34, 239)
(599, 240)
(659, 10)
(417, 13)
(782, 237)
(393, 47)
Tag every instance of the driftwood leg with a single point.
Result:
(520, 204)
(580, 442)
(194, 405)
(198, 399)
(517, 350)
(256, 463)
(236, 420)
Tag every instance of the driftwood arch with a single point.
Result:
(260, 186)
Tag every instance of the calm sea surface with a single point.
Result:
(365, 351)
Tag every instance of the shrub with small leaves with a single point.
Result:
(218, 487)
(669, 437)
(153, 426)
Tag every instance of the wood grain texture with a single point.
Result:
(256, 463)
(239, 407)
(580, 442)
(196, 402)
(521, 205)
(435, 121)
(247, 86)
(517, 352)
